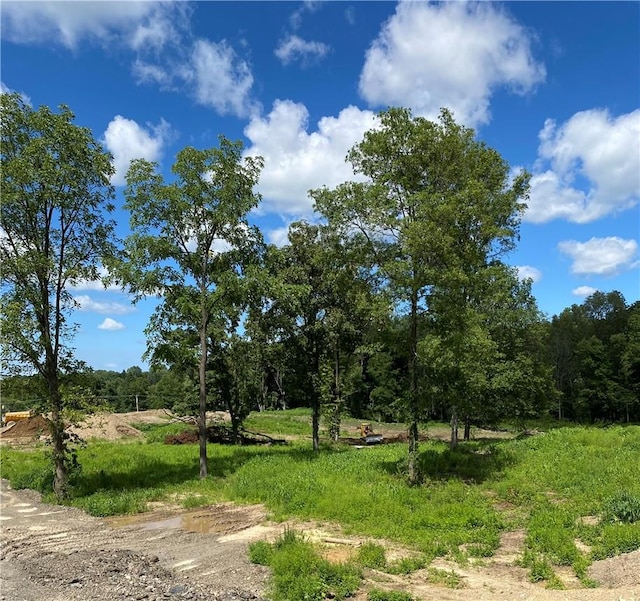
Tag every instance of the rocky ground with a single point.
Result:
(62, 554)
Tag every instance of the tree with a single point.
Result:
(437, 206)
(189, 243)
(55, 231)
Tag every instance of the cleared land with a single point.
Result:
(494, 515)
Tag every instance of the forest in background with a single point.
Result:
(588, 353)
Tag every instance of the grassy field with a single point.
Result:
(566, 485)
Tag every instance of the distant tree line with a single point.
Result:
(394, 304)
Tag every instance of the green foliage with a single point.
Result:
(261, 553)
(56, 231)
(446, 578)
(623, 507)
(407, 565)
(299, 573)
(380, 595)
(372, 555)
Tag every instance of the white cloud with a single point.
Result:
(583, 291)
(86, 303)
(222, 80)
(160, 35)
(596, 149)
(295, 48)
(526, 272)
(278, 236)
(601, 256)
(307, 6)
(111, 325)
(68, 22)
(297, 161)
(5, 89)
(126, 140)
(451, 54)
(95, 284)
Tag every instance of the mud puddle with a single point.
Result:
(217, 519)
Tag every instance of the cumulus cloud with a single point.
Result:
(126, 140)
(278, 236)
(295, 48)
(601, 256)
(86, 303)
(588, 167)
(296, 160)
(221, 78)
(526, 272)
(67, 23)
(452, 54)
(158, 33)
(111, 325)
(583, 291)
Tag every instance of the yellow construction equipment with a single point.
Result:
(16, 416)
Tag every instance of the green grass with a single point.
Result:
(551, 481)
(293, 422)
(299, 573)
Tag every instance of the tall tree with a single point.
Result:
(55, 231)
(180, 231)
(437, 205)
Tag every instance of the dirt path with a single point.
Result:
(62, 554)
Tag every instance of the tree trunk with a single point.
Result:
(335, 418)
(57, 435)
(315, 424)
(412, 464)
(454, 429)
(467, 428)
(202, 376)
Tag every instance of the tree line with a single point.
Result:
(394, 303)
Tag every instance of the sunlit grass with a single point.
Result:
(568, 485)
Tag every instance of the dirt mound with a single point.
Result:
(150, 416)
(221, 434)
(108, 426)
(32, 427)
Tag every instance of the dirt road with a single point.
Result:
(62, 554)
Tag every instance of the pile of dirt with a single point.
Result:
(221, 434)
(108, 426)
(32, 427)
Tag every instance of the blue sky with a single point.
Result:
(553, 86)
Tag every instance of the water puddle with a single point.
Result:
(214, 520)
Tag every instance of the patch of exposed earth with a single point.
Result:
(62, 554)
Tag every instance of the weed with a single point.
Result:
(623, 507)
(406, 565)
(260, 553)
(379, 595)
(300, 573)
(443, 577)
(372, 555)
